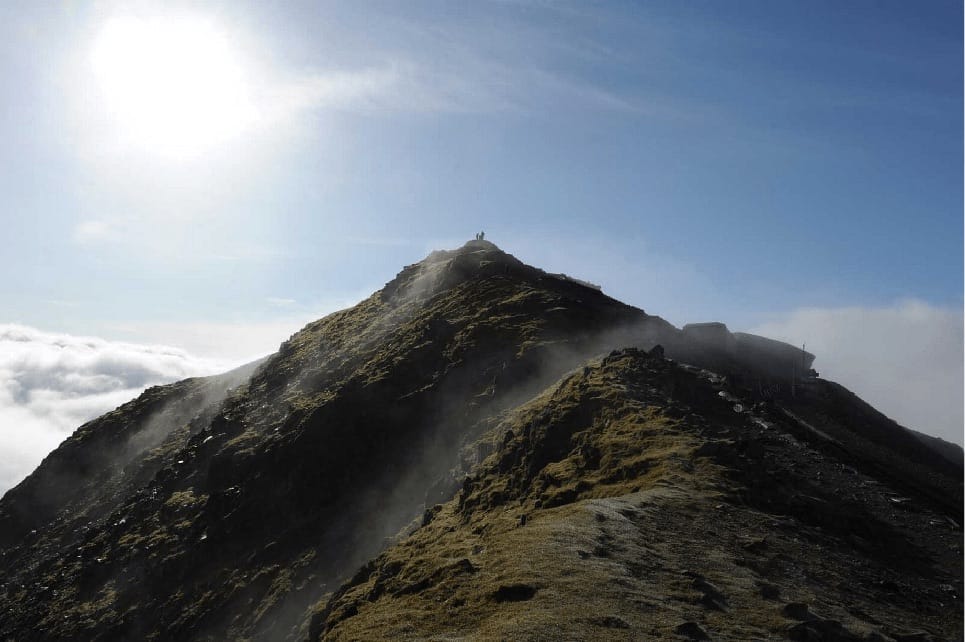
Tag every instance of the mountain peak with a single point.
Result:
(480, 450)
(442, 269)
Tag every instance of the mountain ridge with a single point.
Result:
(311, 463)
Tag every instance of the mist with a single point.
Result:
(904, 359)
(52, 383)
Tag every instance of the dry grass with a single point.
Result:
(622, 533)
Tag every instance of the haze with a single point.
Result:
(211, 176)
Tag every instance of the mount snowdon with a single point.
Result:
(485, 451)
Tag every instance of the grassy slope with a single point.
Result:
(262, 503)
(252, 509)
(617, 508)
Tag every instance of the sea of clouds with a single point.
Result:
(51, 383)
(905, 359)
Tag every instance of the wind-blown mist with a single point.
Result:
(52, 383)
(905, 359)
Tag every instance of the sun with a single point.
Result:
(174, 86)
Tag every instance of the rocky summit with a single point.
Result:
(485, 451)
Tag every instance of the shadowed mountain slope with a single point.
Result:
(425, 436)
(629, 501)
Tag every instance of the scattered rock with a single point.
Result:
(821, 631)
(712, 597)
(798, 611)
(609, 622)
(769, 591)
(755, 545)
(514, 593)
(430, 513)
(691, 630)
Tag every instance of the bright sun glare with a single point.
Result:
(173, 86)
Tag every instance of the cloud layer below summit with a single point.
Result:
(904, 359)
(52, 383)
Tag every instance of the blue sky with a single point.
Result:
(735, 161)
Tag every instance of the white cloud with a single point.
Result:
(52, 383)
(468, 85)
(337, 89)
(234, 342)
(94, 231)
(905, 359)
(238, 341)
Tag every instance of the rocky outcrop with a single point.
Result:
(774, 357)
(755, 354)
(713, 334)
